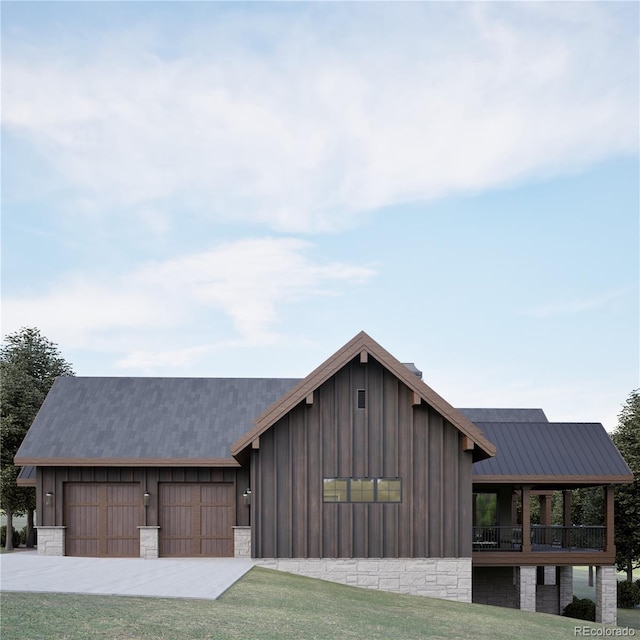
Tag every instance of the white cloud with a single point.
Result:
(578, 305)
(248, 282)
(401, 104)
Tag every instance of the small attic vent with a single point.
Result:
(362, 398)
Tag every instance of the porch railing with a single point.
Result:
(497, 538)
(551, 537)
(543, 538)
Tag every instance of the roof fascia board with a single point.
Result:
(128, 462)
(551, 479)
(333, 364)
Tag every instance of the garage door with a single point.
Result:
(102, 519)
(196, 520)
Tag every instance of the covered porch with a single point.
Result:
(505, 533)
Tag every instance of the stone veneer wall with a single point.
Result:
(495, 586)
(51, 541)
(446, 578)
(241, 542)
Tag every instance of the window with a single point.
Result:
(389, 490)
(362, 490)
(335, 489)
(362, 398)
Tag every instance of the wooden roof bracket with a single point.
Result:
(467, 443)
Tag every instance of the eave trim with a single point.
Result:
(551, 479)
(128, 462)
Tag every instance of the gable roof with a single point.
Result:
(357, 345)
(563, 452)
(146, 421)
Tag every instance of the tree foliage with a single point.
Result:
(29, 364)
(627, 496)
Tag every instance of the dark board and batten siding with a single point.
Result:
(390, 437)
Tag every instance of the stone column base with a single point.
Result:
(527, 588)
(606, 595)
(241, 542)
(565, 578)
(51, 541)
(149, 542)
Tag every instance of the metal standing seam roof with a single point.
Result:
(550, 449)
(147, 418)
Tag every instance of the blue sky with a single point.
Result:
(236, 189)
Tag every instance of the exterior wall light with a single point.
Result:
(145, 498)
(246, 497)
(48, 498)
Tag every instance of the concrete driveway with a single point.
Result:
(206, 578)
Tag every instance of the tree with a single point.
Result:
(627, 496)
(29, 364)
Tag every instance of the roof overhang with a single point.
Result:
(128, 462)
(364, 344)
(558, 480)
(26, 477)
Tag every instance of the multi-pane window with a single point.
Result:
(362, 490)
(389, 490)
(335, 489)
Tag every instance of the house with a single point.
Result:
(359, 473)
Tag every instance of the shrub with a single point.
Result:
(582, 609)
(628, 594)
(3, 536)
(23, 536)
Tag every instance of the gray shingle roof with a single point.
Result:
(154, 418)
(504, 415)
(550, 449)
(199, 418)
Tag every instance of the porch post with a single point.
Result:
(545, 521)
(566, 518)
(545, 517)
(526, 520)
(609, 544)
(606, 595)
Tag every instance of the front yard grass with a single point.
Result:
(271, 605)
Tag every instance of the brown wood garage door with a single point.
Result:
(196, 519)
(102, 519)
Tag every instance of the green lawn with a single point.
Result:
(268, 605)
